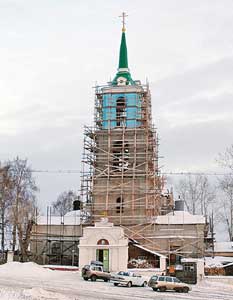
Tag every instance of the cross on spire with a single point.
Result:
(123, 16)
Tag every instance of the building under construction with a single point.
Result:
(120, 174)
(121, 180)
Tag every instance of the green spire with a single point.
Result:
(123, 69)
(123, 58)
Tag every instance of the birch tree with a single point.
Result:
(22, 203)
(5, 186)
(197, 193)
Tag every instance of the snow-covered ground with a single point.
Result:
(29, 281)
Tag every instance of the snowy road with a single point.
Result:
(31, 282)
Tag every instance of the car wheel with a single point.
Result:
(93, 278)
(116, 284)
(162, 289)
(144, 284)
(129, 284)
(185, 289)
(106, 280)
(154, 289)
(85, 278)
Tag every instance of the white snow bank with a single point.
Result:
(30, 294)
(39, 293)
(30, 281)
(6, 294)
(216, 282)
(17, 269)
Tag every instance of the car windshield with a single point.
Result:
(154, 277)
(123, 273)
(176, 279)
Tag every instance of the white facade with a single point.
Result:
(114, 242)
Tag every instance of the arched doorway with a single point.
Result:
(102, 254)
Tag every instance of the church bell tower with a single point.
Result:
(120, 177)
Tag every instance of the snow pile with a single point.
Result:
(29, 269)
(6, 294)
(30, 281)
(31, 294)
(215, 284)
(41, 294)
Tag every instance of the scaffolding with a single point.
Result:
(54, 241)
(120, 177)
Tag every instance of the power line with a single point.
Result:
(195, 173)
(183, 173)
(57, 171)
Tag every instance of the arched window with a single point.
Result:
(103, 242)
(120, 111)
(121, 156)
(120, 205)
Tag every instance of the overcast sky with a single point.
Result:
(52, 52)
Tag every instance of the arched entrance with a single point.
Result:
(102, 254)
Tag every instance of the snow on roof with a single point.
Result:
(179, 217)
(71, 218)
(228, 265)
(150, 251)
(223, 247)
(217, 261)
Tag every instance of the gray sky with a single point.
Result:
(53, 51)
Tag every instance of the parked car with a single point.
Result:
(163, 283)
(128, 279)
(94, 272)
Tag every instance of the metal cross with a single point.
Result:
(123, 16)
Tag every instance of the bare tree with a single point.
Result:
(64, 202)
(23, 207)
(26, 217)
(197, 193)
(226, 159)
(5, 186)
(226, 211)
(226, 184)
